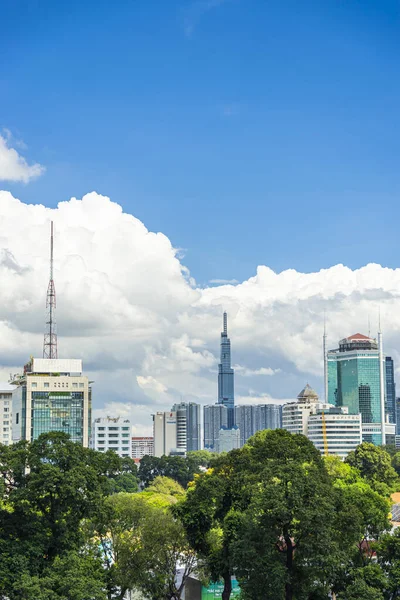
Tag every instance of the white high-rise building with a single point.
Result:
(6, 416)
(165, 433)
(295, 414)
(51, 395)
(187, 426)
(343, 431)
(307, 415)
(112, 433)
(142, 446)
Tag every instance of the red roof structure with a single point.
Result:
(358, 336)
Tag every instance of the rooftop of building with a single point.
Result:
(117, 420)
(48, 366)
(357, 341)
(308, 394)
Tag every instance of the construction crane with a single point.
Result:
(326, 449)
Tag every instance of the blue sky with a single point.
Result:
(248, 131)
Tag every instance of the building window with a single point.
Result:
(125, 435)
(101, 435)
(113, 428)
(125, 428)
(101, 442)
(125, 449)
(34, 384)
(46, 384)
(17, 418)
(74, 385)
(6, 422)
(6, 410)
(81, 385)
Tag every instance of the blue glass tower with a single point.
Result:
(356, 379)
(390, 390)
(226, 395)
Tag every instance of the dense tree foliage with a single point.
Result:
(178, 468)
(375, 466)
(289, 524)
(51, 486)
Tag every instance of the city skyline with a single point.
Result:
(180, 162)
(145, 355)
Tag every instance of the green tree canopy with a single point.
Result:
(51, 486)
(144, 543)
(374, 465)
(181, 469)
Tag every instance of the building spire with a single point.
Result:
(225, 324)
(50, 336)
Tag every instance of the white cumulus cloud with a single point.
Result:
(147, 334)
(13, 166)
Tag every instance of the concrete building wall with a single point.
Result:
(142, 446)
(6, 417)
(165, 433)
(110, 433)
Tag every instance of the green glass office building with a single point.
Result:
(356, 379)
(52, 395)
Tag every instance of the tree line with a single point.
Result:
(76, 524)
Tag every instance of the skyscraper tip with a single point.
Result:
(225, 323)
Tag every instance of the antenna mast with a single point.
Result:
(50, 336)
(325, 351)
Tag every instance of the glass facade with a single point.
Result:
(354, 381)
(397, 416)
(57, 411)
(332, 379)
(226, 393)
(390, 390)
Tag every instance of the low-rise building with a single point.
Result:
(142, 446)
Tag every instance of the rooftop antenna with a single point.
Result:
(50, 336)
(382, 381)
(225, 324)
(324, 338)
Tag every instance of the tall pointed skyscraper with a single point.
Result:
(226, 393)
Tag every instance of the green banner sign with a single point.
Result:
(214, 591)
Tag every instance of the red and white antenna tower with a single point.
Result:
(50, 336)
